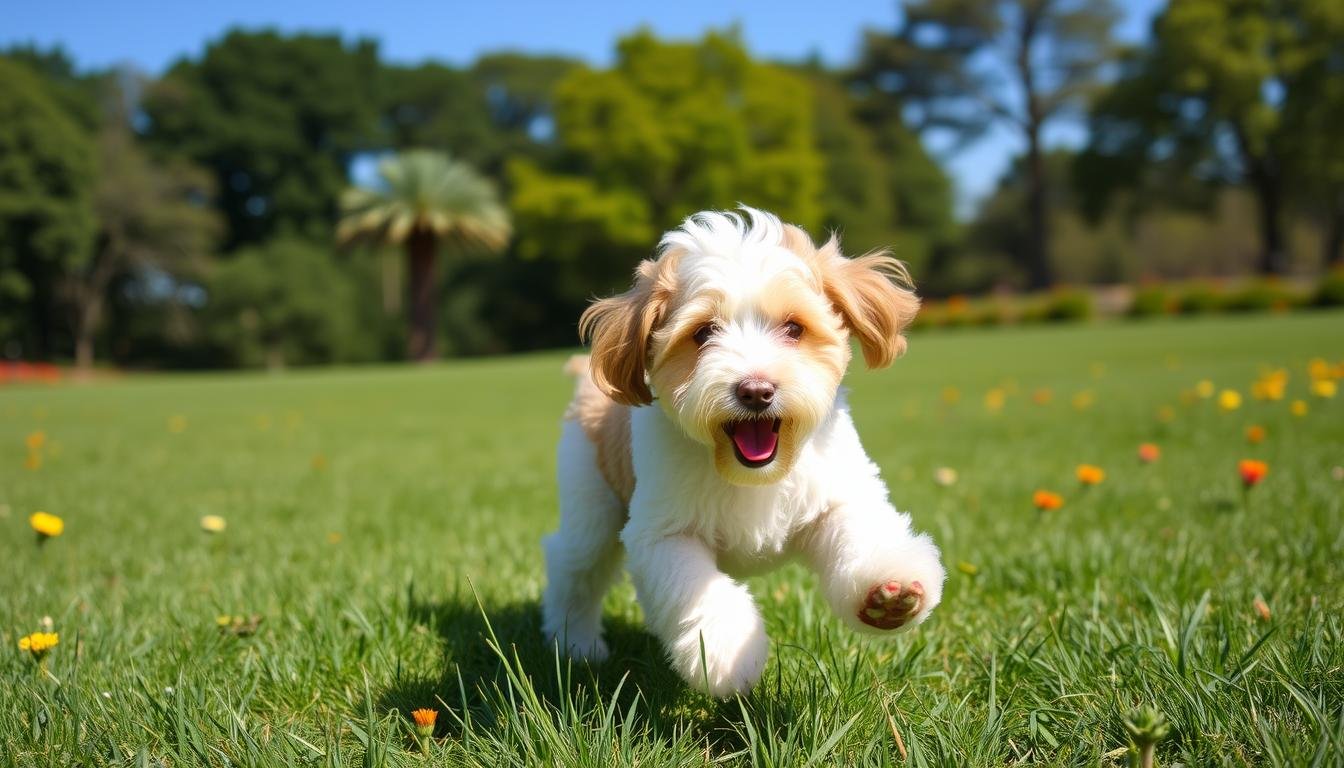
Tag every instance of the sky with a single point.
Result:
(151, 34)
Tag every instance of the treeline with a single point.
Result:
(190, 219)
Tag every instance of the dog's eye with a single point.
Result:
(704, 333)
(793, 330)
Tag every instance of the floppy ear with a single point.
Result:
(619, 328)
(876, 298)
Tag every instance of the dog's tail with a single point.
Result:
(577, 366)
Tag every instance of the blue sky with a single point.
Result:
(151, 34)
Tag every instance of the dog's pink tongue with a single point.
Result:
(755, 438)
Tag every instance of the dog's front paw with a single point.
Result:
(723, 650)
(591, 649)
(892, 604)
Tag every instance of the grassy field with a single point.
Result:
(383, 525)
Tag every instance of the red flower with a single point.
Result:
(1252, 471)
(1149, 452)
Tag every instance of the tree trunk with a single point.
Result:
(84, 352)
(423, 340)
(1273, 260)
(1332, 246)
(1039, 273)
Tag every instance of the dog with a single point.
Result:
(709, 435)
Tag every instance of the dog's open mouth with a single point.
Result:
(755, 441)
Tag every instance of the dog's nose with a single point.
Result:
(755, 394)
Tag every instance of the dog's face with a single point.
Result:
(741, 331)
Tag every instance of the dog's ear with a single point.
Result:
(619, 328)
(875, 296)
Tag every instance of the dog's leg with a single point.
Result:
(878, 575)
(707, 622)
(583, 557)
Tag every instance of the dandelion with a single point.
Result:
(994, 400)
(1149, 453)
(1255, 434)
(1204, 389)
(1083, 400)
(1318, 369)
(177, 424)
(1146, 727)
(1047, 500)
(213, 524)
(46, 525)
(1252, 472)
(945, 476)
(424, 726)
(35, 440)
(39, 644)
(1229, 400)
(1324, 388)
(1089, 474)
(1298, 408)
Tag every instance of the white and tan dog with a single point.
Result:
(739, 330)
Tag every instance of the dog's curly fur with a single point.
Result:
(684, 490)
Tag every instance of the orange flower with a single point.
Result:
(1090, 475)
(1047, 500)
(1255, 434)
(1261, 608)
(1252, 471)
(424, 718)
(1149, 452)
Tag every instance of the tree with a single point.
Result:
(427, 201)
(1230, 91)
(670, 129)
(966, 66)
(150, 216)
(277, 120)
(281, 303)
(46, 214)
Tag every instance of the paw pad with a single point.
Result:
(891, 605)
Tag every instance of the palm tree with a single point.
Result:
(427, 200)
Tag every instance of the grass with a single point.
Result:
(384, 525)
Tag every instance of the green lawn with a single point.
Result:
(377, 519)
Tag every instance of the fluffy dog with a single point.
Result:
(739, 332)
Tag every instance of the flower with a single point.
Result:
(48, 526)
(1255, 434)
(35, 440)
(1229, 399)
(1324, 388)
(1047, 500)
(213, 524)
(951, 395)
(969, 569)
(1270, 385)
(945, 476)
(1089, 474)
(1166, 414)
(33, 461)
(424, 718)
(1083, 400)
(177, 424)
(1298, 408)
(1042, 396)
(994, 400)
(39, 644)
(1204, 389)
(1149, 452)
(1261, 608)
(1252, 471)
(319, 462)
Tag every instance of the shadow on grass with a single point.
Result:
(480, 677)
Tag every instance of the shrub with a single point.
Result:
(990, 314)
(1330, 291)
(1067, 305)
(1200, 299)
(1150, 301)
(1260, 296)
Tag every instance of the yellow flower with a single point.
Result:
(951, 395)
(967, 568)
(177, 424)
(47, 525)
(994, 399)
(1229, 399)
(39, 643)
(1090, 475)
(35, 440)
(1323, 388)
(1271, 385)
(1204, 389)
(213, 524)
(1318, 369)
(1083, 400)
(1298, 408)
(33, 462)
(945, 476)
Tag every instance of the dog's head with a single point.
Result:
(741, 328)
